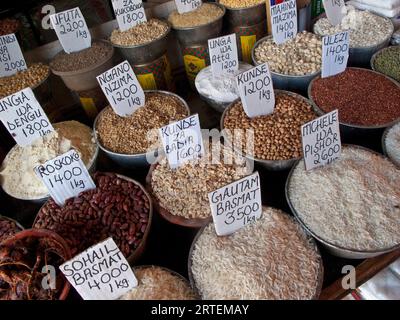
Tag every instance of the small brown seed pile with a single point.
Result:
(240, 3)
(7, 228)
(140, 34)
(30, 77)
(206, 13)
(137, 133)
(117, 208)
(277, 136)
(64, 62)
(8, 26)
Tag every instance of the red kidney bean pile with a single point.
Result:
(362, 97)
(7, 228)
(117, 208)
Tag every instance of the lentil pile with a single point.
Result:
(137, 133)
(204, 14)
(117, 208)
(30, 77)
(392, 144)
(276, 136)
(8, 228)
(388, 62)
(362, 97)
(353, 203)
(236, 4)
(297, 57)
(270, 259)
(8, 26)
(366, 29)
(184, 191)
(157, 283)
(17, 175)
(140, 34)
(65, 62)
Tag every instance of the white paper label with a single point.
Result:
(24, 117)
(11, 57)
(236, 205)
(122, 89)
(321, 140)
(256, 91)
(223, 54)
(182, 141)
(184, 6)
(335, 10)
(335, 53)
(71, 30)
(100, 272)
(129, 13)
(284, 21)
(65, 176)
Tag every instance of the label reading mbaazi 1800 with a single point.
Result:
(223, 54)
(236, 205)
(11, 57)
(24, 117)
(100, 272)
(335, 53)
(71, 29)
(184, 6)
(129, 13)
(321, 140)
(335, 10)
(284, 21)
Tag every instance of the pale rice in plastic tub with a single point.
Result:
(392, 144)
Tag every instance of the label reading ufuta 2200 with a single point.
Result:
(129, 13)
(284, 21)
(223, 54)
(71, 29)
(335, 10)
(11, 57)
(184, 6)
(335, 53)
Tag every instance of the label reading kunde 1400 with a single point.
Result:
(335, 53)
(223, 54)
(236, 205)
(129, 13)
(284, 21)
(23, 117)
(11, 57)
(321, 140)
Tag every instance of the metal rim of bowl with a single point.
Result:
(136, 155)
(320, 276)
(321, 112)
(384, 147)
(163, 36)
(204, 24)
(256, 63)
(319, 238)
(88, 68)
(376, 54)
(261, 4)
(285, 163)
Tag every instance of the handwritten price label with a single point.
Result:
(335, 10)
(284, 21)
(129, 13)
(11, 57)
(223, 54)
(335, 53)
(184, 6)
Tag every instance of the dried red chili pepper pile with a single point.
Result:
(363, 97)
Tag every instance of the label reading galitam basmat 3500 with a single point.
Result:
(284, 21)
(184, 6)
(71, 29)
(335, 53)
(223, 54)
(236, 205)
(129, 13)
(24, 117)
(335, 10)
(11, 57)
(100, 272)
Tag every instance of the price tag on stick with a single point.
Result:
(65, 176)
(236, 205)
(284, 21)
(256, 91)
(182, 141)
(24, 117)
(129, 13)
(100, 272)
(223, 54)
(184, 6)
(11, 57)
(335, 10)
(122, 89)
(321, 140)
(335, 53)
(71, 29)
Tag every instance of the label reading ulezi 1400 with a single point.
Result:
(100, 272)
(24, 118)
(71, 29)
(129, 13)
(321, 140)
(256, 91)
(236, 205)
(284, 21)
(11, 57)
(122, 89)
(184, 6)
(223, 54)
(65, 176)
(335, 10)
(335, 53)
